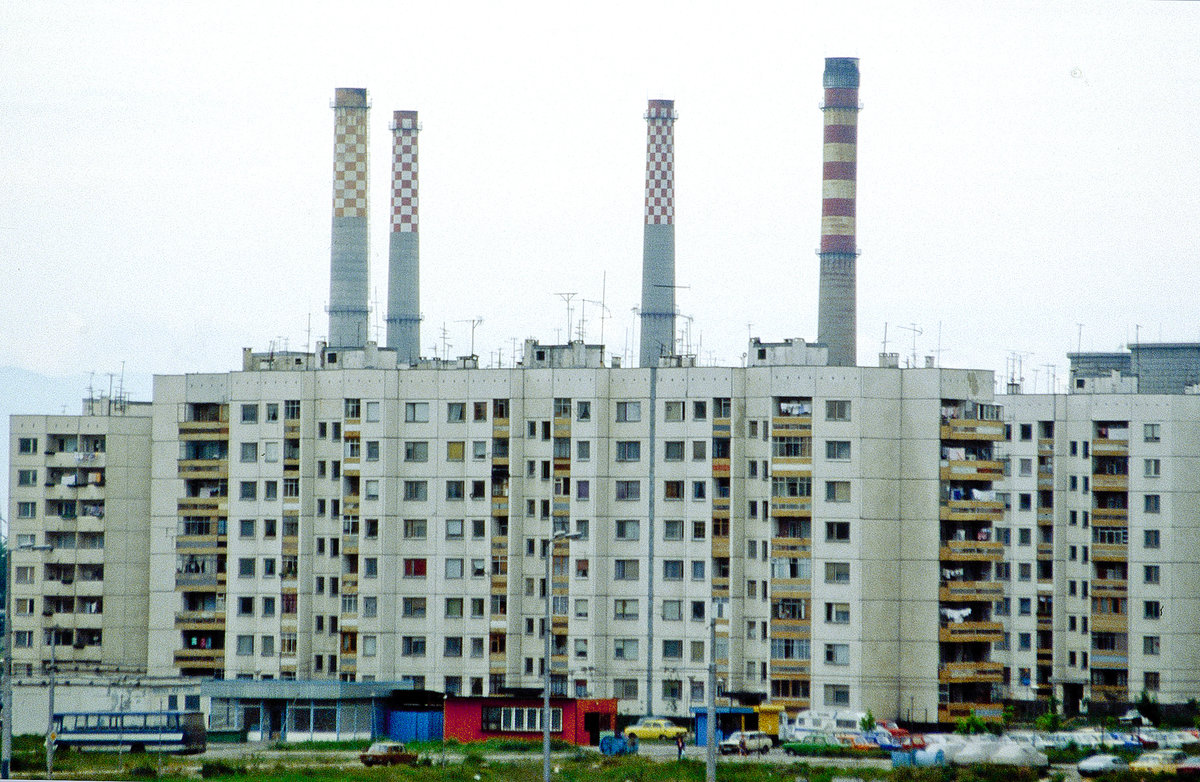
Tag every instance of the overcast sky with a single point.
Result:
(1024, 167)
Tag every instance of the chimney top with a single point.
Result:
(350, 98)
(841, 72)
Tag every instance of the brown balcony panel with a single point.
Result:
(1110, 623)
(972, 510)
(971, 429)
(958, 591)
(1110, 552)
(1106, 447)
(970, 631)
(1110, 482)
(972, 551)
(988, 712)
(971, 672)
(971, 470)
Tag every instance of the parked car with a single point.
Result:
(752, 740)
(384, 753)
(1100, 764)
(1159, 761)
(809, 742)
(654, 728)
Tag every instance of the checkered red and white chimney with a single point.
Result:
(836, 315)
(348, 271)
(404, 315)
(658, 236)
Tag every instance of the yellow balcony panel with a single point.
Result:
(720, 466)
(199, 620)
(499, 585)
(199, 657)
(1105, 482)
(970, 672)
(192, 428)
(1103, 446)
(1110, 552)
(499, 506)
(972, 510)
(1045, 481)
(1110, 517)
(1045, 550)
(720, 547)
(988, 712)
(791, 545)
(791, 628)
(788, 669)
(1110, 623)
(1109, 587)
(970, 631)
(203, 468)
(1109, 659)
(970, 591)
(972, 429)
(1045, 516)
(1104, 692)
(971, 470)
(202, 506)
(791, 506)
(972, 551)
(291, 427)
(1046, 446)
(800, 466)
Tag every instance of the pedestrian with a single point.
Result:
(679, 747)
(742, 745)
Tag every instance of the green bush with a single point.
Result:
(217, 768)
(835, 751)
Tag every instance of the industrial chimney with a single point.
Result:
(404, 315)
(348, 280)
(658, 238)
(836, 317)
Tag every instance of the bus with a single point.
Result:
(136, 731)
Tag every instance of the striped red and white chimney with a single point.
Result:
(348, 274)
(658, 235)
(403, 316)
(836, 316)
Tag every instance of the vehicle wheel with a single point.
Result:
(764, 750)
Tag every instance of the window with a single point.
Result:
(837, 450)
(698, 569)
(583, 490)
(416, 451)
(581, 608)
(456, 412)
(249, 414)
(455, 450)
(1024, 537)
(1150, 645)
(625, 689)
(628, 490)
(455, 490)
(722, 407)
(1152, 433)
(629, 450)
(628, 529)
(673, 529)
(1151, 574)
(454, 568)
(1152, 609)
(837, 572)
(672, 610)
(1150, 538)
(673, 451)
(249, 452)
(26, 477)
(629, 412)
(582, 528)
(1024, 571)
(412, 646)
(673, 411)
(26, 510)
(625, 569)
(672, 570)
(415, 528)
(583, 450)
(837, 654)
(370, 488)
(414, 567)
(1151, 503)
(245, 645)
(413, 607)
(271, 489)
(1152, 467)
(583, 410)
(1150, 681)
(625, 608)
(837, 531)
(837, 491)
(27, 445)
(837, 410)
(1024, 642)
(479, 449)
(625, 649)
(699, 490)
(248, 490)
(416, 412)
(416, 491)
(673, 490)
(837, 613)
(246, 567)
(837, 695)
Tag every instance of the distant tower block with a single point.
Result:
(348, 280)
(658, 238)
(836, 316)
(404, 313)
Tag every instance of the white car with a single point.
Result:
(751, 740)
(1100, 764)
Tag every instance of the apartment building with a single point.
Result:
(79, 520)
(1103, 500)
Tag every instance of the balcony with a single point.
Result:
(952, 712)
(1112, 517)
(970, 591)
(1109, 587)
(971, 470)
(971, 551)
(982, 671)
(1115, 659)
(959, 632)
(791, 506)
(200, 658)
(972, 429)
(720, 467)
(1108, 447)
(1046, 446)
(203, 468)
(1106, 482)
(782, 546)
(204, 430)
(1110, 552)
(1110, 623)
(1045, 516)
(200, 620)
(972, 510)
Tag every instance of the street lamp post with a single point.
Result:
(6, 691)
(557, 536)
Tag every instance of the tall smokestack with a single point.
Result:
(836, 317)
(348, 280)
(658, 237)
(404, 314)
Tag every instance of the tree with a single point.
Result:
(970, 725)
(867, 723)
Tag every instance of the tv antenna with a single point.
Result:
(566, 297)
(916, 332)
(474, 322)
